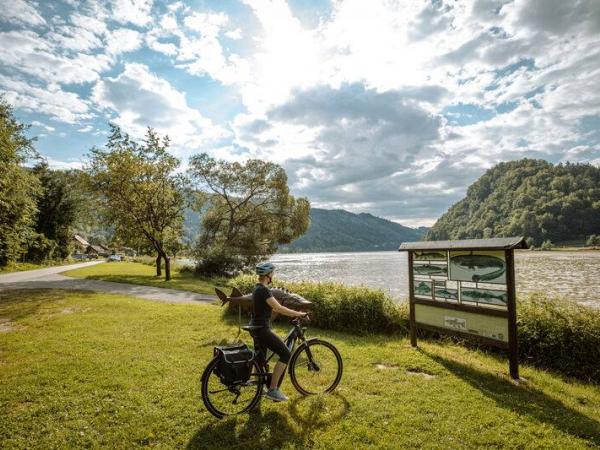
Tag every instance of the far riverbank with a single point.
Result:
(574, 275)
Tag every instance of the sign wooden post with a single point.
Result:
(513, 348)
(465, 288)
(411, 306)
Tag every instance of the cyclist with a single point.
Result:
(263, 303)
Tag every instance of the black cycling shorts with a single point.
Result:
(267, 338)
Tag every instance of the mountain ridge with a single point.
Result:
(338, 230)
(527, 197)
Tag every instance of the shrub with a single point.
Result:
(561, 335)
(553, 333)
(145, 259)
(344, 308)
(593, 240)
(547, 245)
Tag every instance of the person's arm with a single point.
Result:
(280, 309)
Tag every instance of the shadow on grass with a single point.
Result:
(273, 429)
(318, 411)
(525, 400)
(17, 304)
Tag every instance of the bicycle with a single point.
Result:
(315, 367)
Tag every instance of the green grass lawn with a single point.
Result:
(137, 273)
(86, 370)
(21, 266)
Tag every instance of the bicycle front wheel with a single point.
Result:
(316, 367)
(221, 400)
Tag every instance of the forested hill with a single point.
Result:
(342, 231)
(532, 198)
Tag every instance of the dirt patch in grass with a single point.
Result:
(382, 366)
(420, 373)
(73, 310)
(6, 326)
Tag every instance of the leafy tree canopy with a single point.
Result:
(248, 212)
(141, 194)
(532, 198)
(59, 206)
(19, 188)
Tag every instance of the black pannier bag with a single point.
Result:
(234, 364)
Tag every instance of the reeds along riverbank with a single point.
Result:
(554, 334)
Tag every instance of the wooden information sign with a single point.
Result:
(465, 288)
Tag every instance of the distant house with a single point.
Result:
(81, 246)
(97, 250)
(105, 248)
(80, 243)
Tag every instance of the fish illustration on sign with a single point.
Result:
(480, 264)
(446, 293)
(283, 296)
(430, 269)
(424, 288)
(439, 256)
(485, 296)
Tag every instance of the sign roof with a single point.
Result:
(508, 243)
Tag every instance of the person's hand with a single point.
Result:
(305, 317)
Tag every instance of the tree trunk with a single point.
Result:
(167, 267)
(158, 269)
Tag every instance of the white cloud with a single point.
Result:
(28, 53)
(92, 24)
(167, 48)
(51, 100)
(21, 12)
(234, 34)
(37, 123)
(195, 45)
(208, 24)
(140, 99)
(137, 12)
(63, 165)
(122, 40)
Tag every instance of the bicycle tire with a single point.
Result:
(206, 394)
(313, 344)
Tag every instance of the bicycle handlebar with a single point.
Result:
(300, 320)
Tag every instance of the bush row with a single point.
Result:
(343, 308)
(561, 335)
(553, 333)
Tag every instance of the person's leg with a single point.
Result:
(275, 344)
(278, 372)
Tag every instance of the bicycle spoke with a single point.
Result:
(223, 400)
(317, 368)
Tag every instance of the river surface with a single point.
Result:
(573, 275)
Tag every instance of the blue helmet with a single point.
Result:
(264, 268)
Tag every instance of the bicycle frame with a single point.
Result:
(297, 332)
(290, 340)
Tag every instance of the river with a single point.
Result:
(573, 275)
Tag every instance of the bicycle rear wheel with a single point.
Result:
(316, 367)
(221, 400)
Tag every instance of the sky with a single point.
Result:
(387, 107)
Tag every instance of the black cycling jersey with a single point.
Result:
(261, 311)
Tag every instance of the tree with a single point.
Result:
(59, 205)
(19, 188)
(528, 197)
(140, 192)
(593, 240)
(248, 213)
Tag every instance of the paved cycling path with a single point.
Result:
(51, 278)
